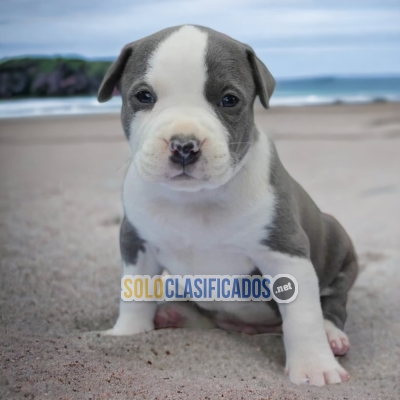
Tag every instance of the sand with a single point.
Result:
(60, 183)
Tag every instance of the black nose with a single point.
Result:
(184, 150)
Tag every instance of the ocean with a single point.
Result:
(288, 92)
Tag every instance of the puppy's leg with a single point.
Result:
(333, 303)
(138, 259)
(337, 339)
(309, 358)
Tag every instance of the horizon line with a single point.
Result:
(359, 75)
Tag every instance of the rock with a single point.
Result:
(50, 77)
(64, 81)
(13, 83)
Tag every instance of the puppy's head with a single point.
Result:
(188, 95)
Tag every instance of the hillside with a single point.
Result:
(58, 76)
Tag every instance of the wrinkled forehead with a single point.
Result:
(183, 59)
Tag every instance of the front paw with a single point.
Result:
(126, 329)
(315, 369)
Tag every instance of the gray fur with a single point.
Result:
(127, 74)
(228, 62)
(130, 243)
(233, 68)
(300, 229)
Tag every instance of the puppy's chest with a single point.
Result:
(194, 261)
(209, 240)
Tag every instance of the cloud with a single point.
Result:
(99, 28)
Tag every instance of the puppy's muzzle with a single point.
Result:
(185, 150)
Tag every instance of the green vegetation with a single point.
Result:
(56, 76)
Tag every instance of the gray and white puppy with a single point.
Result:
(206, 193)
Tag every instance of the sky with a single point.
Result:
(294, 38)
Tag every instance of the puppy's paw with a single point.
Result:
(337, 339)
(181, 314)
(169, 317)
(126, 329)
(315, 369)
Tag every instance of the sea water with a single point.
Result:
(288, 92)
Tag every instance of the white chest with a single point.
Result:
(191, 239)
(209, 231)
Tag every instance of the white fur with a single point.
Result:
(336, 337)
(177, 73)
(135, 317)
(209, 231)
(308, 354)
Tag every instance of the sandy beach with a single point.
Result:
(60, 208)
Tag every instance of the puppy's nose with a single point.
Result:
(185, 150)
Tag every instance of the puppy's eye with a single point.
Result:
(228, 100)
(145, 97)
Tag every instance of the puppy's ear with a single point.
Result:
(114, 74)
(265, 82)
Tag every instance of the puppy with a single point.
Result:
(206, 193)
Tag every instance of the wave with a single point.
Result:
(90, 105)
(319, 100)
(57, 106)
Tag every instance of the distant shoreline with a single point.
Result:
(88, 105)
(68, 86)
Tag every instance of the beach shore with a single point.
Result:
(60, 208)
